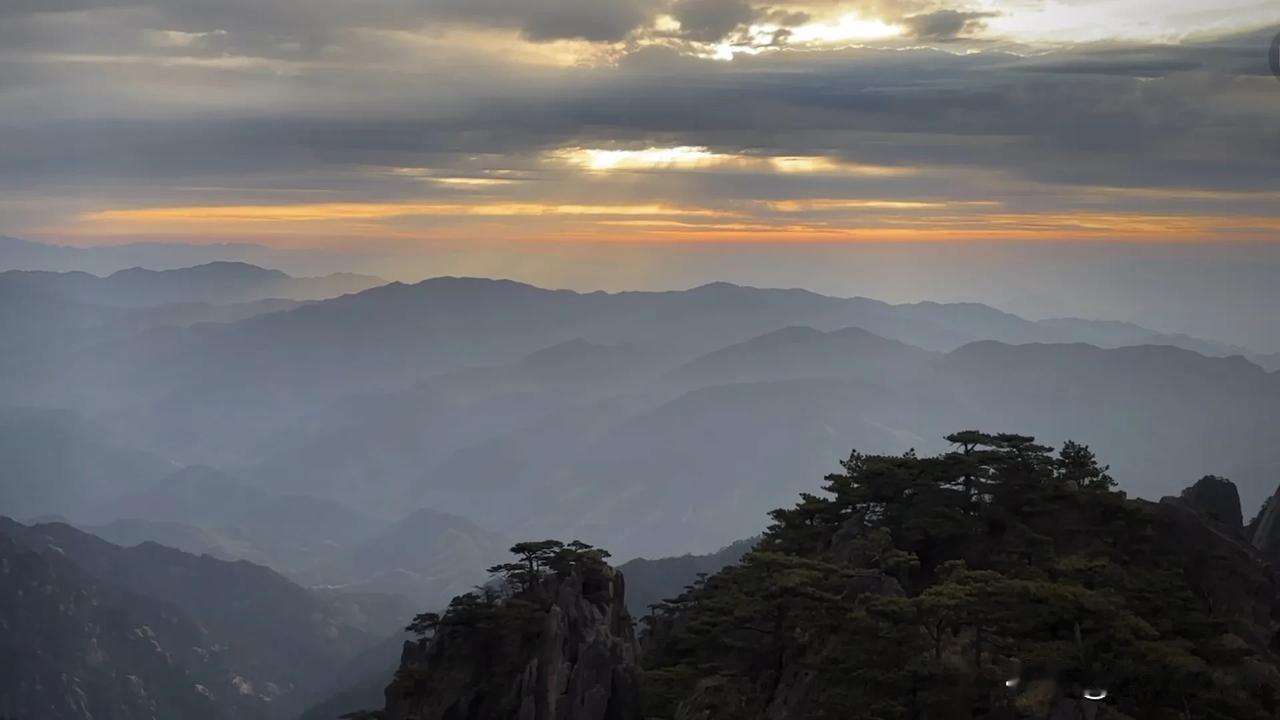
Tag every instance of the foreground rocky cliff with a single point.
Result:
(998, 581)
(555, 643)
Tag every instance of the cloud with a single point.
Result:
(275, 28)
(592, 20)
(183, 103)
(711, 20)
(786, 18)
(946, 24)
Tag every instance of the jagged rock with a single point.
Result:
(1265, 529)
(1218, 500)
(567, 653)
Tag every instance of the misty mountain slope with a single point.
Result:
(129, 532)
(361, 683)
(801, 352)
(652, 581)
(68, 330)
(200, 509)
(490, 399)
(1157, 411)
(1112, 334)
(427, 556)
(384, 440)
(492, 478)
(1269, 362)
(257, 623)
(692, 472)
(373, 451)
(577, 362)
(492, 322)
(705, 467)
(291, 532)
(197, 495)
(39, 330)
(209, 393)
(270, 371)
(194, 313)
(55, 351)
(56, 463)
(618, 477)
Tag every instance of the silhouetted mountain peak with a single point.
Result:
(224, 270)
(1218, 500)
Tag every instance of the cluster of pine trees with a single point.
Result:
(995, 581)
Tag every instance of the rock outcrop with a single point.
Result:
(1264, 531)
(1218, 500)
(564, 651)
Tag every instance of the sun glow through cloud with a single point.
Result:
(647, 159)
(702, 158)
(847, 28)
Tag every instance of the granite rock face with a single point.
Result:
(567, 653)
(1264, 531)
(1218, 500)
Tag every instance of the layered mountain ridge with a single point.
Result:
(635, 411)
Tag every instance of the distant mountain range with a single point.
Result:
(649, 582)
(653, 423)
(18, 254)
(216, 283)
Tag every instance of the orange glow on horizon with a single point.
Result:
(763, 221)
(321, 212)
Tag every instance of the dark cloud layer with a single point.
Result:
(711, 20)
(1069, 117)
(946, 24)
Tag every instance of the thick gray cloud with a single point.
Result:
(273, 26)
(946, 24)
(595, 20)
(1058, 118)
(711, 20)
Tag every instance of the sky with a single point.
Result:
(304, 122)
(504, 135)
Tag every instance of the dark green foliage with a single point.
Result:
(914, 588)
(424, 624)
(538, 559)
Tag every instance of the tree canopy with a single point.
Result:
(984, 582)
